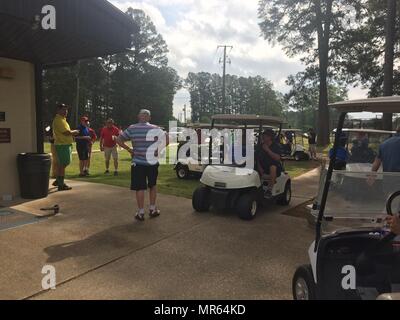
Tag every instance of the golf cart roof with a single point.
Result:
(366, 131)
(292, 130)
(198, 125)
(249, 119)
(208, 126)
(381, 105)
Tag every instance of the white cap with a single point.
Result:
(145, 111)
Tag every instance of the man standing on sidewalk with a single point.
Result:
(83, 140)
(63, 139)
(108, 144)
(144, 171)
(312, 143)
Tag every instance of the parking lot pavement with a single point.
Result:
(100, 252)
(306, 186)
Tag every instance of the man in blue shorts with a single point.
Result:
(144, 170)
(82, 146)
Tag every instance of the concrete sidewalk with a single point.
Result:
(100, 252)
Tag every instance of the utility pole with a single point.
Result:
(390, 30)
(77, 94)
(224, 61)
(184, 113)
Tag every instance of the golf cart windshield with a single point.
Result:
(358, 199)
(355, 198)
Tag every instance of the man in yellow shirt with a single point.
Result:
(63, 139)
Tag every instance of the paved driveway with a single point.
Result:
(100, 252)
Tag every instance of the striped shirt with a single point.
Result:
(144, 138)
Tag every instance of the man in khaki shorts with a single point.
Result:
(108, 144)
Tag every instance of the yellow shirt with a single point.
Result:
(60, 125)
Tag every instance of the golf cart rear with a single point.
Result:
(354, 256)
(239, 187)
(293, 146)
(193, 162)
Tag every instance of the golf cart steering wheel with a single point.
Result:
(365, 264)
(389, 201)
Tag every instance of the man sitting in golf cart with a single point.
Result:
(268, 159)
(360, 151)
(342, 154)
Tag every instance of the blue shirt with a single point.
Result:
(144, 143)
(389, 154)
(83, 132)
(341, 154)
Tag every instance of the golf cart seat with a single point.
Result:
(286, 148)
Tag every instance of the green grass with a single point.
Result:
(168, 183)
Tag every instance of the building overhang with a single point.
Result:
(84, 29)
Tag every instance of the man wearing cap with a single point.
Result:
(83, 140)
(268, 157)
(144, 170)
(63, 139)
(108, 144)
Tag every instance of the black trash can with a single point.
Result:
(34, 174)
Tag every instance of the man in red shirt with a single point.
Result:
(108, 144)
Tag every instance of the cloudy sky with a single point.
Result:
(194, 28)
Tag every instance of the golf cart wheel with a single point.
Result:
(201, 199)
(303, 285)
(182, 172)
(298, 156)
(247, 206)
(286, 197)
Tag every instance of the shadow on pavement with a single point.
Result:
(119, 237)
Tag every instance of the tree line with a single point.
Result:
(252, 95)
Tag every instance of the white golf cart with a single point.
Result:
(193, 165)
(292, 145)
(354, 256)
(239, 187)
